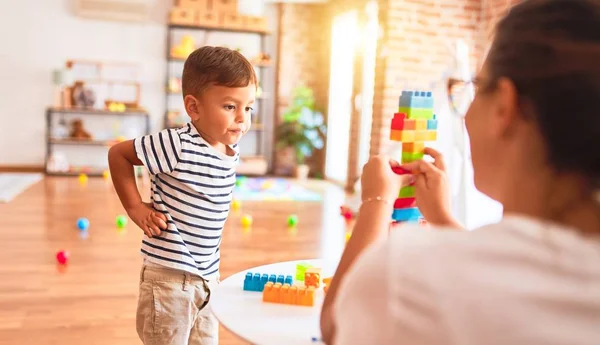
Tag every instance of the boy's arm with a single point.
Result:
(121, 160)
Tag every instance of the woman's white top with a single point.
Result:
(520, 281)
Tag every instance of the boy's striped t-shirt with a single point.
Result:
(192, 185)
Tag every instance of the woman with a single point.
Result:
(533, 278)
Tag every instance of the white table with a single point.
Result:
(245, 314)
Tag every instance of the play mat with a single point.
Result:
(272, 189)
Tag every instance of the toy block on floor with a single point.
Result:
(256, 282)
(301, 269)
(312, 277)
(288, 294)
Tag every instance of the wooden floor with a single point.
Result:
(93, 300)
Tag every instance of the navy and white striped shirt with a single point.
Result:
(192, 185)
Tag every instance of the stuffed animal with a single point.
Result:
(82, 96)
(78, 132)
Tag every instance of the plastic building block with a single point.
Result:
(257, 281)
(312, 277)
(407, 192)
(408, 157)
(400, 171)
(398, 121)
(327, 281)
(405, 203)
(417, 113)
(418, 146)
(300, 270)
(416, 99)
(430, 135)
(421, 124)
(402, 135)
(432, 124)
(289, 294)
(404, 214)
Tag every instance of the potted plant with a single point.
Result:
(302, 129)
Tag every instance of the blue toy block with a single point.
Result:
(405, 214)
(256, 281)
(416, 99)
(432, 124)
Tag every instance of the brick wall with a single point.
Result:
(412, 51)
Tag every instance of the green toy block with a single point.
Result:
(408, 157)
(300, 270)
(407, 192)
(417, 113)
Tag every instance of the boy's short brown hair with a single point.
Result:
(216, 65)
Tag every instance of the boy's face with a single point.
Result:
(222, 114)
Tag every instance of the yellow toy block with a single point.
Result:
(402, 135)
(421, 124)
(430, 135)
(418, 146)
(286, 294)
(312, 277)
(420, 135)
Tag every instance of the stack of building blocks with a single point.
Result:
(289, 294)
(301, 270)
(413, 125)
(256, 281)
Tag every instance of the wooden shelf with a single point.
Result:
(88, 111)
(207, 28)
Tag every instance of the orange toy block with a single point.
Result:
(286, 294)
(327, 281)
(312, 277)
(421, 124)
(403, 135)
(418, 146)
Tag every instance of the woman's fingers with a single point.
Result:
(438, 158)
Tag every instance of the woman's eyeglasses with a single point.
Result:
(461, 94)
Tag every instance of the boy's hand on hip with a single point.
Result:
(150, 221)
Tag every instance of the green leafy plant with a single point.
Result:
(303, 127)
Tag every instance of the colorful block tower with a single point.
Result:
(413, 125)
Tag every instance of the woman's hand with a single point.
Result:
(378, 180)
(432, 192)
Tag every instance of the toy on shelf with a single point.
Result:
(257, 281)
(78, 131)
(174, 85)
(413, 125)
(301, 270)
(289, 294)
(116, 106)
(185, 47)
(312, 277)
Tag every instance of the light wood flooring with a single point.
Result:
(93, 299)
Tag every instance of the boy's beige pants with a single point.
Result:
(173, 308)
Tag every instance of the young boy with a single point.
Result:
(192, 178)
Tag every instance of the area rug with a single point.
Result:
(13, 184)
(272, 189)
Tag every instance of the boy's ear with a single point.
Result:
(192, 106)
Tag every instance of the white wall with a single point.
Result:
(37, 36)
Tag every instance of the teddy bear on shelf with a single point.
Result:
(78, 132)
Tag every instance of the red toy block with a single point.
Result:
(398, 121)
(400, 171)
(405, 203)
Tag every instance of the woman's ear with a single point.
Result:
(192, 107)
(506, 106)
